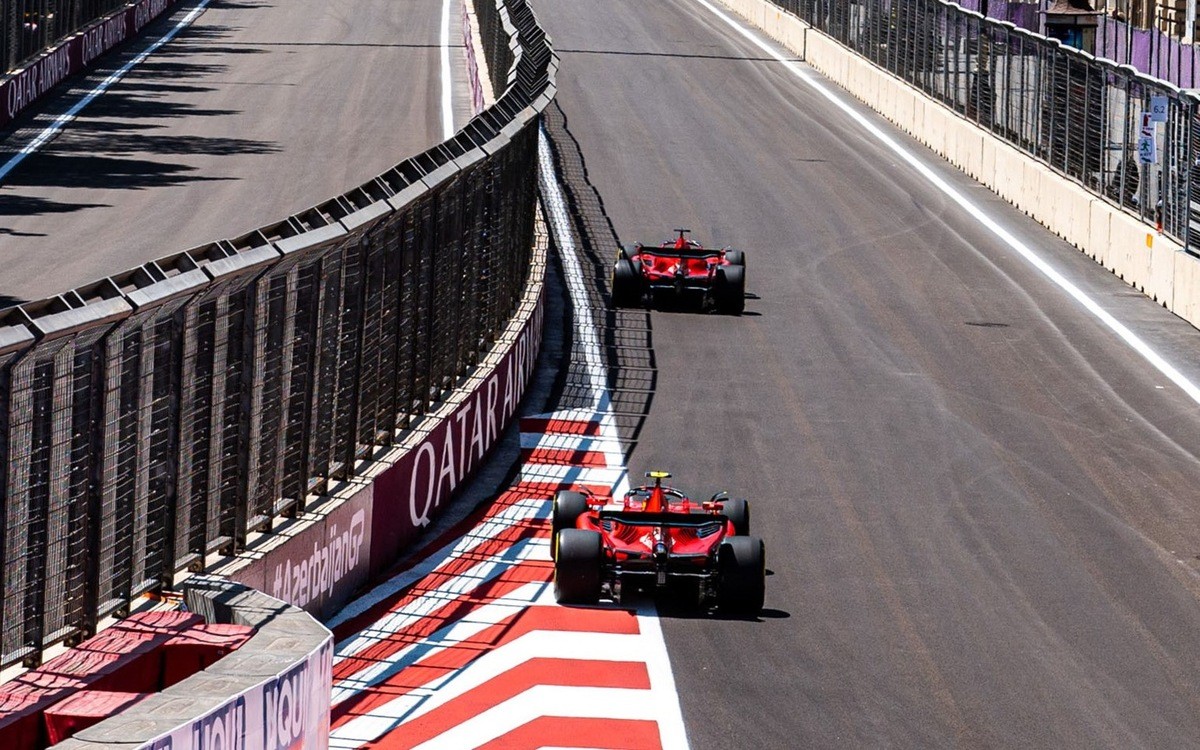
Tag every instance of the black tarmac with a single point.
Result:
(980, 506)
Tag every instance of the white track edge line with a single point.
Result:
(672, 730)
(1056, 277)
(597, 377)
(447, 83)
(62, 120)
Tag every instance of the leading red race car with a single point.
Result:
(680, 268)
(653, 539)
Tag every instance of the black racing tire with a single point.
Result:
(626, 252)
(737, 510)
(742, 567)
(735, 257)
(731, 290)
(626, 283)
(567, 508)
(577, 567)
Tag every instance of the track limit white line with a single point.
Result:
(662, 680)
(1056, 277)
(447, 79)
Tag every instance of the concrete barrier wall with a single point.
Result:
(273, 692)
(1150, 262)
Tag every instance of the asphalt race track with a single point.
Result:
(260, 109)
(979, 505)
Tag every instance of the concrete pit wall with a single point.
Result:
(1148, 261)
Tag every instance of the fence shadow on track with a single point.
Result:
(628, 336)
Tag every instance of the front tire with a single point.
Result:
(743, 570)
(577, 567)
(568, 507)
(737, 510)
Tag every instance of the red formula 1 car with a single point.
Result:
(680, 268)
(657, 538)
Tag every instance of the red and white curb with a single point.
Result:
(469, 649)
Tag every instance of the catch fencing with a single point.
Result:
(155, 418)
(1081, 115)
(28, 27)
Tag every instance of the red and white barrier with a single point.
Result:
(289, 711)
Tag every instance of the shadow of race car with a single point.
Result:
(657, 539)
(680, 269)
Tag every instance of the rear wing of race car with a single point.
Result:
(676, 520)
(673, 252)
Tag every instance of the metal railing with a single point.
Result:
(1079, 114)
(29, 27)
(159, 416)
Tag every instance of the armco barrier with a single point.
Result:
(273, 692)
(1151, 262)
(71, 55)
(159, 420)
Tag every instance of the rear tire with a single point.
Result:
(737, 510)
(626, 283)
(568, 507)
(731, 291)
(743, 570)
(735, 257)
(577, 567)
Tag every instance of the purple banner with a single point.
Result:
(75, 54)
(1149, 51)
(412, 493)
(319, 568)
(1023, 15)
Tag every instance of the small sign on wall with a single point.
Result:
(1159, 105)
(1147, 143)
(1147, 149)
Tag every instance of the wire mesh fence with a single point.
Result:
(28, 27)
(1133, 139)
(163, 415)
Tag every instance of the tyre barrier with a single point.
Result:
(273, 692)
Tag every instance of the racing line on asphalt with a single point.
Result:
(982, 217)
